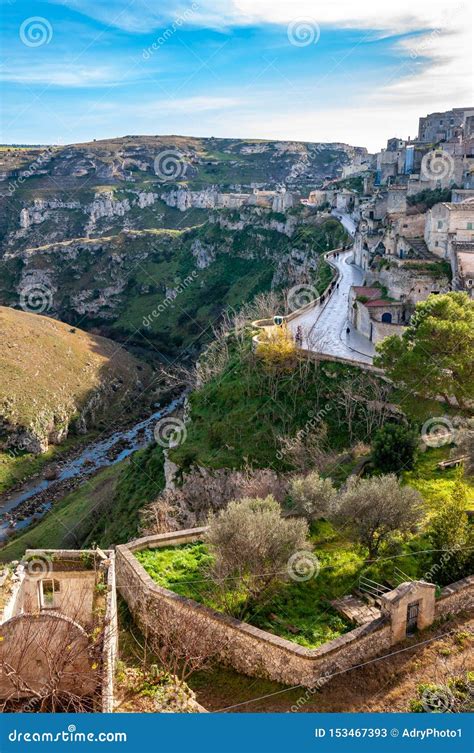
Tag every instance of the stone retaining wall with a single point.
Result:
(457, 597)
(261, 323)
(246, 648)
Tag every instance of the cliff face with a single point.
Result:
(149, 239)
(54, 377)
(161, 289)
(50, 194)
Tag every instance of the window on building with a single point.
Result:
(48, 590)
(440, 224)
(469, 225)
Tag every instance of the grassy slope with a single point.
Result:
(432, 482)
(104, 510)
(239, 415)
(48, 369)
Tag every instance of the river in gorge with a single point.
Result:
(32, 501)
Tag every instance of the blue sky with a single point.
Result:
(74, 70)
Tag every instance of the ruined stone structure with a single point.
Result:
(58, 627)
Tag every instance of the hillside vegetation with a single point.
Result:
(160, 291)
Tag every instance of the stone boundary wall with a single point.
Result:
(246, 648)
(457, 597)
(110, 643)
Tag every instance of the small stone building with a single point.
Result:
(410, 607)
(58, 631)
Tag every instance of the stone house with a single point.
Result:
(346, 200)
(396, 199)
(373, 315)
(463, 259)
(447, 223)
(443, 126)
(58, 630)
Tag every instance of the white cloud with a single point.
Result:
(54, 75)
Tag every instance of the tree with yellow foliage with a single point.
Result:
(277, 349)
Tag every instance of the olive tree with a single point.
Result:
(372, 511)
(312, 495)
(251, 544)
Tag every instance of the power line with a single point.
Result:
(341, 671)
(209, 579)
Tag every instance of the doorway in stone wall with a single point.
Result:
(412, 617)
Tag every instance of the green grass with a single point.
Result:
(105, 510)
(299, 611)
(238, 416)
(436, 484)
(67, 522)
(17, 468)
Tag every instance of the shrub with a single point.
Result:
(252, 543)
(277, 350)
(394, 448)
(312, 495)
(374, 510)
(452, 537)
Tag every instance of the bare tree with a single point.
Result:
(183, 642)
(49, 662)
(308, 449)
(206, 491)
(465, 447)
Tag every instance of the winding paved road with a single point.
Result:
(345, 220)
(324, 327)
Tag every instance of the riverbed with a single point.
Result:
(32, 501)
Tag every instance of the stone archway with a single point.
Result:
(387, 317)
